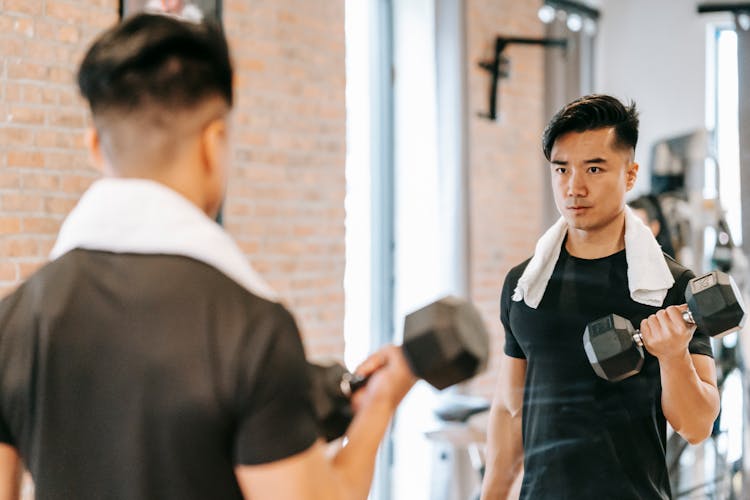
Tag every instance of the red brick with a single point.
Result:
(31, 7)
(8, 271)
(24, 26)
(9, 180)
(75, 183)
(41, 225)
(45, 138)
(15, 136)
(12, 92)
(65, 160)
(6, 22)
(66, 118)
(45, 246)
(11, 247)
(17, 202)
(66, 11)
(58, 74)
(46, 182)
(45, 29)
(9, 225)
(40, 94)
(68, 33)
(71, 97)
(57, 205)
(25, 158)
(46, 52)
(26, 70)
(11, 47)
(26, 115)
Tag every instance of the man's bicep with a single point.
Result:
(275, 414)
(305, 476)
(510, 384)
(10, 473)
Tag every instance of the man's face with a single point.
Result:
(590, 177)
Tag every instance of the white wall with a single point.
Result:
(654, 52)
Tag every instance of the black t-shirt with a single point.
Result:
(585, 437)
(147, 377)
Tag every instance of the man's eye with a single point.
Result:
(595, 170)
(561, 170)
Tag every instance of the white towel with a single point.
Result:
(649, 278)
(146, 217)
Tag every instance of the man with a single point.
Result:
(570, 433)
(148, 360)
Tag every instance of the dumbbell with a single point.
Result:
(445, 343)
(615, 349)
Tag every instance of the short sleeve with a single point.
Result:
(5, 436)
(701, 342)
(512, 348)
(276, 418)
(10, 360)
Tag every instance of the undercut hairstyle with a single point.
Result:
(594, 112)
(151, 83)
(153, 60)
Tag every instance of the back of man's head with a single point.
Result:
(594, 112)
(150, 80)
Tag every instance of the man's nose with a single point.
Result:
(577, 185)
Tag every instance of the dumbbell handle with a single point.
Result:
(351, 382)
(686, 315)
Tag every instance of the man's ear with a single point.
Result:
(213, 145)
(631, 175)
(94, 146)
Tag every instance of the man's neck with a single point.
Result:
(599, 242)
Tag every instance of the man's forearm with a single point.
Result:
(689, 403)
(504, 453)
(10, 473)
(355, 462)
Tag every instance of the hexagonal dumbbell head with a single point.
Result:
(446, 342)
(611, 348)
(715, 303)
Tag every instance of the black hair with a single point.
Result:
(154, 60)
(593, 112)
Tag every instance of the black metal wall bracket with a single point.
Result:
(499, 67)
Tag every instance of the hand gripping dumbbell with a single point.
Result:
(615, 349)
(445, 343)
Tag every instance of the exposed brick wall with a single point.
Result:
(285, 203)
(43, 166)
(286, 197)
(506, 174)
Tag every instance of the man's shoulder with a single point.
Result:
(156, 275)
(516, 271)
(511, 279)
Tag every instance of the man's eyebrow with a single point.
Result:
(596, 159)
(559, 162)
